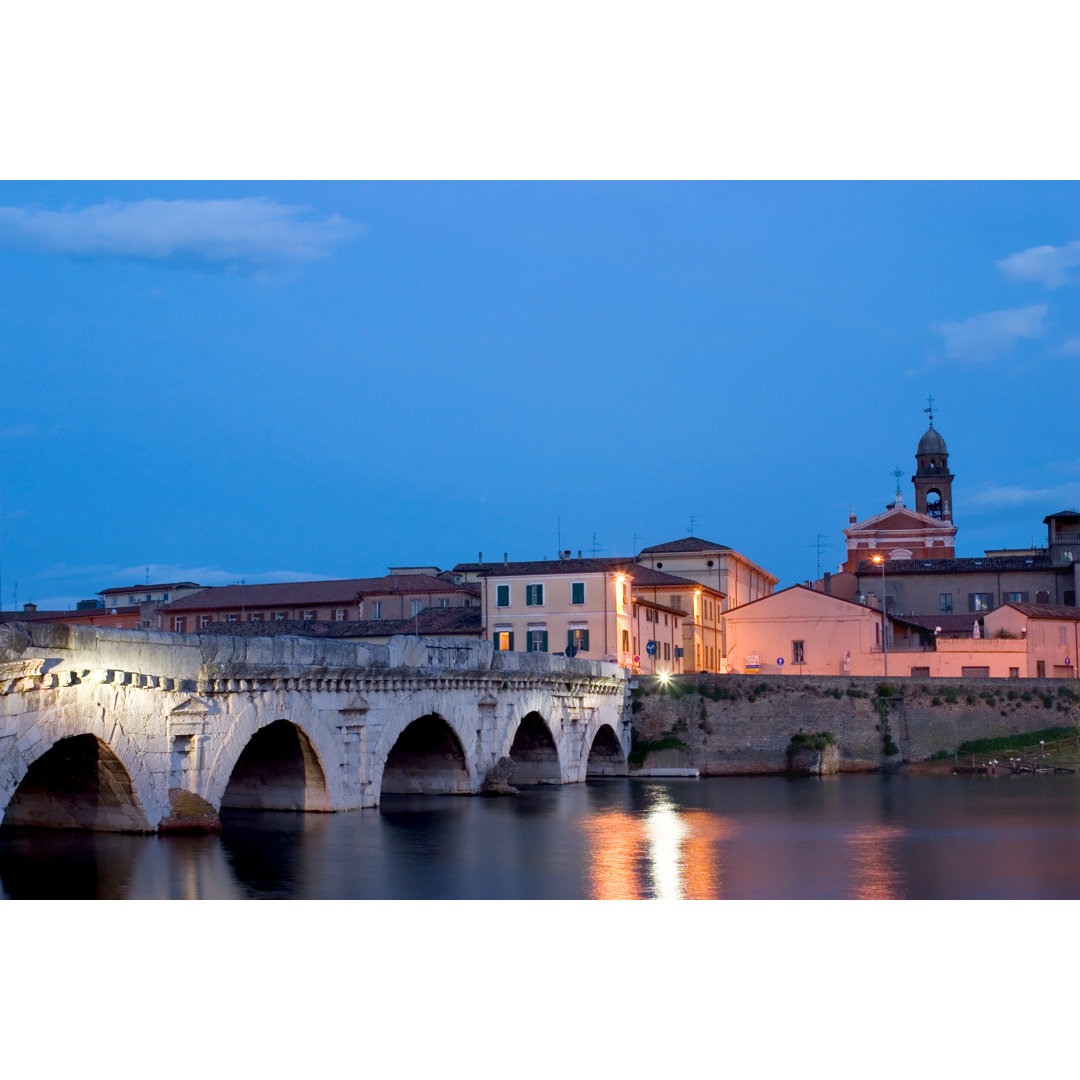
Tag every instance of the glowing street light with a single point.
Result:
(884, 630)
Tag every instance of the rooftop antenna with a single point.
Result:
(930, 411)
(558, 526)
(822, 542)
(637, 537)
(595, 546)
(148, 575)
(693, 524)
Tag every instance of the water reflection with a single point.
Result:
(869, 837)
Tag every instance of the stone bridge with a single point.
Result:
(126, 730)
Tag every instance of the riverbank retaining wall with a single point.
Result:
(743, 724)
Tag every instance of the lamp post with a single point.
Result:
(884, 629)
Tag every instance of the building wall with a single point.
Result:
(736, 577)
(665, 628)
(605, 614)
(919, 594)
(1053, 642)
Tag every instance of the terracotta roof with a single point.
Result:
(300, 593)
(61, 615)
(904, 620)
(545, 566)
(689, 543)
(989, 563)
(460, 621)
(646, 576)
(1045, 611)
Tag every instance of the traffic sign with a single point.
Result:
(779, 661)
(650, 647)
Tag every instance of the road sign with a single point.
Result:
(779, 661)
(650, 647)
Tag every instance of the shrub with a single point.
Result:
(801, 740)
(854, 691)
(641, 748)
(885, 689)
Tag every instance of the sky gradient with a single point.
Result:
(279, 381)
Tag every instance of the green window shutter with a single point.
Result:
(495, 639)
(577, 592)
(569, 638)
(543, 642)
(502, 595)
(511, 640)
(585, 641)
(528, 596)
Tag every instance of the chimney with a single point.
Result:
(579, 553)
(826, 583)
(506, 559)
(851, 515)
(564, 555)
(480, 559)
(29, 608)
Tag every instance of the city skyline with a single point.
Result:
(289, 381)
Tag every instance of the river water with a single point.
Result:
(864, 837)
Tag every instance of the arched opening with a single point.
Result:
(278, 770)
(427, 759)
(933, 503)
(606, 756)
(533, 753)
(78, 784)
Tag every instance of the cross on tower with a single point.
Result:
(930, 411)
(897, 473)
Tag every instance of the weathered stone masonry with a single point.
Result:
(742, 724)
(175, 713)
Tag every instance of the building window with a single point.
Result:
(626, 641)
(204, 620)
(537, 640)
(667, 650)
(1062, 639)
(233, 617)
(280, 616)
(164, 598)
(414, 608)
(504, 640)
(178, 624)
(945, 603)
(1016, 598)
(578, 638)
(309, 615)
(1040, 669)
(256, 616)
(980, 601)
(339, 614)
(502, 595)
(1042, 597)
(376, 609)
(534, 595)
(1014, 673)
(1068, 597)
(577, 592)
(444, 602)
(798, 652)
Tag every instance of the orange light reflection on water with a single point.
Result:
(874, 872)
(667, 853)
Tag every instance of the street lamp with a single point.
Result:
(884, 629)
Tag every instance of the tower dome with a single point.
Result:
(931, 443)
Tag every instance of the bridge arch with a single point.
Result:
(606, 757)
(77, 781)
(425, 756)
(535, 752)
(278, 769)
(271, 763)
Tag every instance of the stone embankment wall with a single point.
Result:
(743, 724)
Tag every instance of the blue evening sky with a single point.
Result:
(268, 381)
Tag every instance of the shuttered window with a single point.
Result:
(534, 595)
(577, 592)
(502, 595)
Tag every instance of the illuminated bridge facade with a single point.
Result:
(126, 730)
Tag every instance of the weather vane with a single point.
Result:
(930, 411)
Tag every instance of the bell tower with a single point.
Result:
(932, 479)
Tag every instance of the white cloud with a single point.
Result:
(241, 233)
(1071, 347)
(1005, 497)
(994, 333)
(1050, 265)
